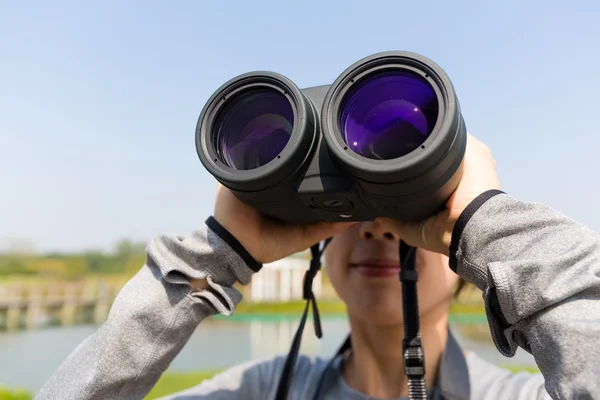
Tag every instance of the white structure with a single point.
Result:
(283, 280)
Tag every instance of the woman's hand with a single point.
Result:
(264, 238)
(479, 175)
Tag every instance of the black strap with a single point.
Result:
(287, 372)
(228, 238)
(414, 359)
(462, 221)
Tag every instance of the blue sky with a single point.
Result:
(99, 101)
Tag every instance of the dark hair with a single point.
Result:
(460, 287)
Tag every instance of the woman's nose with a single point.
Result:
(377, 230)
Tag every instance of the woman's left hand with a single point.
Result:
(479, 176)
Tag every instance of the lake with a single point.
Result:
(28, 358)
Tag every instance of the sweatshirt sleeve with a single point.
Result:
(154, 315)
(540, 276)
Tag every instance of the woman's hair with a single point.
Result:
(460, 287)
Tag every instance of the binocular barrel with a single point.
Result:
(386, 139)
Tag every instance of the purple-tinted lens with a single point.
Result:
(253, 128)
(388, 115)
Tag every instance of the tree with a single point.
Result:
(13, 266)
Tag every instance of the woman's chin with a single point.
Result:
(383, 320)
(384, 312)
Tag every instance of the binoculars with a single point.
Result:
(386, 139)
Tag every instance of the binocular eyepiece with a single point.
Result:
(386, 139)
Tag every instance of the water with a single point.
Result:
(28, 358)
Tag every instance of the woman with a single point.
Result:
(539, 272)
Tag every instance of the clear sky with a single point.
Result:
(99, 100)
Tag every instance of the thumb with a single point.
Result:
(421, 234)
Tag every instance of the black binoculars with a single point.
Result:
(386, 139)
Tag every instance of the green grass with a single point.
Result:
(519, 368)
(275, 312)
(467, 308)
(459, 312)
(172, 382)
(289, 308)
(14, 394)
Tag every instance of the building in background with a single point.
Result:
(283, 280)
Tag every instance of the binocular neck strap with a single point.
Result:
(414, 359)
(287, 372)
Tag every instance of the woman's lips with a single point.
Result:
(377, 270)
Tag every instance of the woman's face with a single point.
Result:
(363, 266)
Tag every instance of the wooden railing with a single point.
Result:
(31, 306)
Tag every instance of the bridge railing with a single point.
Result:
(30, 305)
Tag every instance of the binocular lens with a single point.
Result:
(388, 115)
(253, 128)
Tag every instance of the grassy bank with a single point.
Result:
(14, 394)
(461, 313)
(467, 308)
(331, 307)
(288, 308)
(171, 382)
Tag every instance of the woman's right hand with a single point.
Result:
(266, 239)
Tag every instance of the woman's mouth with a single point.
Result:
(380, 268)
